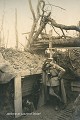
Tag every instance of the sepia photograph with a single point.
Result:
(39, 60)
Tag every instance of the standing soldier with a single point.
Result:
(54, 81)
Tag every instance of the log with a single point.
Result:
(73, 42)
(60, 41)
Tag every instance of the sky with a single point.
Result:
(69, 16)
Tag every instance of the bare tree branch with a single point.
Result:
(2, 23)
(72, 27)
(63, 33)
(38, 10)
(46, 36)
(55, 6)
(31, 8)
(56, 31)
(22, 44)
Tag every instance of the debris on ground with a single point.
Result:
(47, 112)
(23, 62)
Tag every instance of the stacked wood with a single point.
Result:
(61, 41)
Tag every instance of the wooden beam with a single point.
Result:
(79, 26)
(17, 96)
(43, 95)
(50, 43)
(64, 48)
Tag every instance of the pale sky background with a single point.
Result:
(71, 16)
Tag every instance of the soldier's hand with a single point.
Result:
(59, 78)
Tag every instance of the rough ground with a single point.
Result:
(46, 112)
(23, 61)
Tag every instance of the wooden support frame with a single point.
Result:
(17, 96)
(50, 43)
(79, 26)
(53, 48)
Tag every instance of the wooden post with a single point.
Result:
(50, 43)
(17, 96)
(79, 26)
(42, 98)
(44, 85)
(43, 94)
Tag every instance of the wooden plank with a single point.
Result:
(76, 83)
(27, 85)
(50, 43)
(17, 96)
(64, 48)
(42, 99)
(79, 26)
(76, 89)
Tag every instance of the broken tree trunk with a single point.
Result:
(69, 42)
(35, 22)
(73, 42)
(42, 26)
(16, 31)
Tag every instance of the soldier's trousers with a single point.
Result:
(54, 90)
